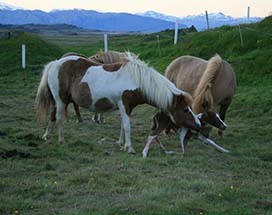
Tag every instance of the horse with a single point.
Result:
(212, 83)
(99, 58)
(108, 87)
(108, 57)
(162, 122)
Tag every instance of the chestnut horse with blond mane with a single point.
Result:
(212, 83)
(108, 87)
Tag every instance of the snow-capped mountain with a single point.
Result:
(5, 6)
(87, 19)
(149, 21)
(157, 15)
(199, 21)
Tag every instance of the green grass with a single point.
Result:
(89, 174)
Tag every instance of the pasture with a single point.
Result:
(88, 174)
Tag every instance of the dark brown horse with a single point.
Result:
(212, 83)
(107, 87)
(162, 122)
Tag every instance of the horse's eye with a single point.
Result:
(186, 109)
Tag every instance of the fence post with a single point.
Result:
(159, 46)
(241, 36)
(207, 19)
(176, 33)
(248, 13)
(105, 43)
(23, 56)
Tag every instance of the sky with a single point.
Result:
(179, 8)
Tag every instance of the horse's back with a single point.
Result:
(71, 71)
(185, 72)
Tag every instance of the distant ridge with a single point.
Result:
(147, 22)
(87, 19)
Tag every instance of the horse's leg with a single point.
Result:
(121, 140)
(48, 132)
(182, 133)
(95, 117)
(78, 115)
(98, 118)
(126, 126)
(101, 118)
(60, 115)
(222, 113)
(187, 137)
(148, 144)
(66, 112)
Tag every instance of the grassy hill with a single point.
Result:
(89, 174)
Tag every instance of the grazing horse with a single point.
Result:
(162, 122)
(109, 87)
(212, 83)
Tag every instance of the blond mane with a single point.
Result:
(154, 86)
(203, 94)
(109, 57)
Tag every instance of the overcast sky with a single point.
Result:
(236, 8)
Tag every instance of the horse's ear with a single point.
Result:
(187, 98)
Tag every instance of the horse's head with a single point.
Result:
(213, 119)
(181, 113)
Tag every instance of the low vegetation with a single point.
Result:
(89, 174)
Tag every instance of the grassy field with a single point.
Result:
(89, 174)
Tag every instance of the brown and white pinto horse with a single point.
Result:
(99, 58)
(212, 83)
(108, 87)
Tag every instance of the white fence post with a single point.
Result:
(176, 33)
(105, 43)
(23, 56)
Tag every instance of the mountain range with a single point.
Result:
(199, 21)
(149, 21)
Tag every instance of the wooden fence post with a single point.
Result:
(207, 19)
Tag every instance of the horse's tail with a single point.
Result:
(203, 97)
(44, 96)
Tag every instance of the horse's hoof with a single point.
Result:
(144, 154)
(169, 152)
(47, 139)
(131, 151)
(122, 147)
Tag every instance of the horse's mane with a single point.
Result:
(109, 57)
(203, 94)
(154, 86)
(74, 54)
